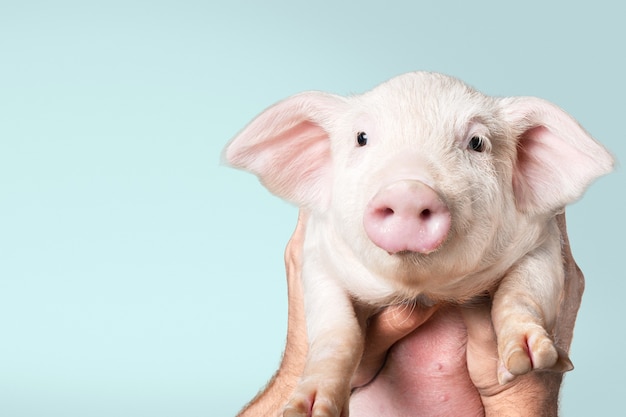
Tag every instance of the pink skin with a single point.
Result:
(407, 215)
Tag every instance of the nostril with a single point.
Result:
(425, 214)
(384, 212)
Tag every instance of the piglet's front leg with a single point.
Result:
(335, 349)
(524, 313)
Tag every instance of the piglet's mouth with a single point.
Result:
(412, 253)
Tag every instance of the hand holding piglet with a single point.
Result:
(422, 190)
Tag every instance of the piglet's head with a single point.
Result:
(469, 156)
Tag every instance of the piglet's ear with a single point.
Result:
(288, 148)
(556, 158)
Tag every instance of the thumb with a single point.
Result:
(383, 331)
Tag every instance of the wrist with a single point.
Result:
(532, 395)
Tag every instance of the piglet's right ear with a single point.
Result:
(556, 158)
(288, 148)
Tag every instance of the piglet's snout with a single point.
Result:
(407, 215)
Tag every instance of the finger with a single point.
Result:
(482, 348)
(293, 251)
(297, 345)
(383, 331)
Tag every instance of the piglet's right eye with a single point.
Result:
(361, 138)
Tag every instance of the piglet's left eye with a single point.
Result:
(361, 138)
(477, 144)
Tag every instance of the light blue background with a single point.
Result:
(138, 277)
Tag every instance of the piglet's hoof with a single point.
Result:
(533, 350)
(318, 400)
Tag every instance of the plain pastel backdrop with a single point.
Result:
(141, 277)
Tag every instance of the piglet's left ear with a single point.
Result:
(556, 158)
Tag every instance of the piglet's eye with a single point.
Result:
(476, 144)
(361, 138)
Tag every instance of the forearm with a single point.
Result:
(272, 399)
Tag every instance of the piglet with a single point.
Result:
(422, 190)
